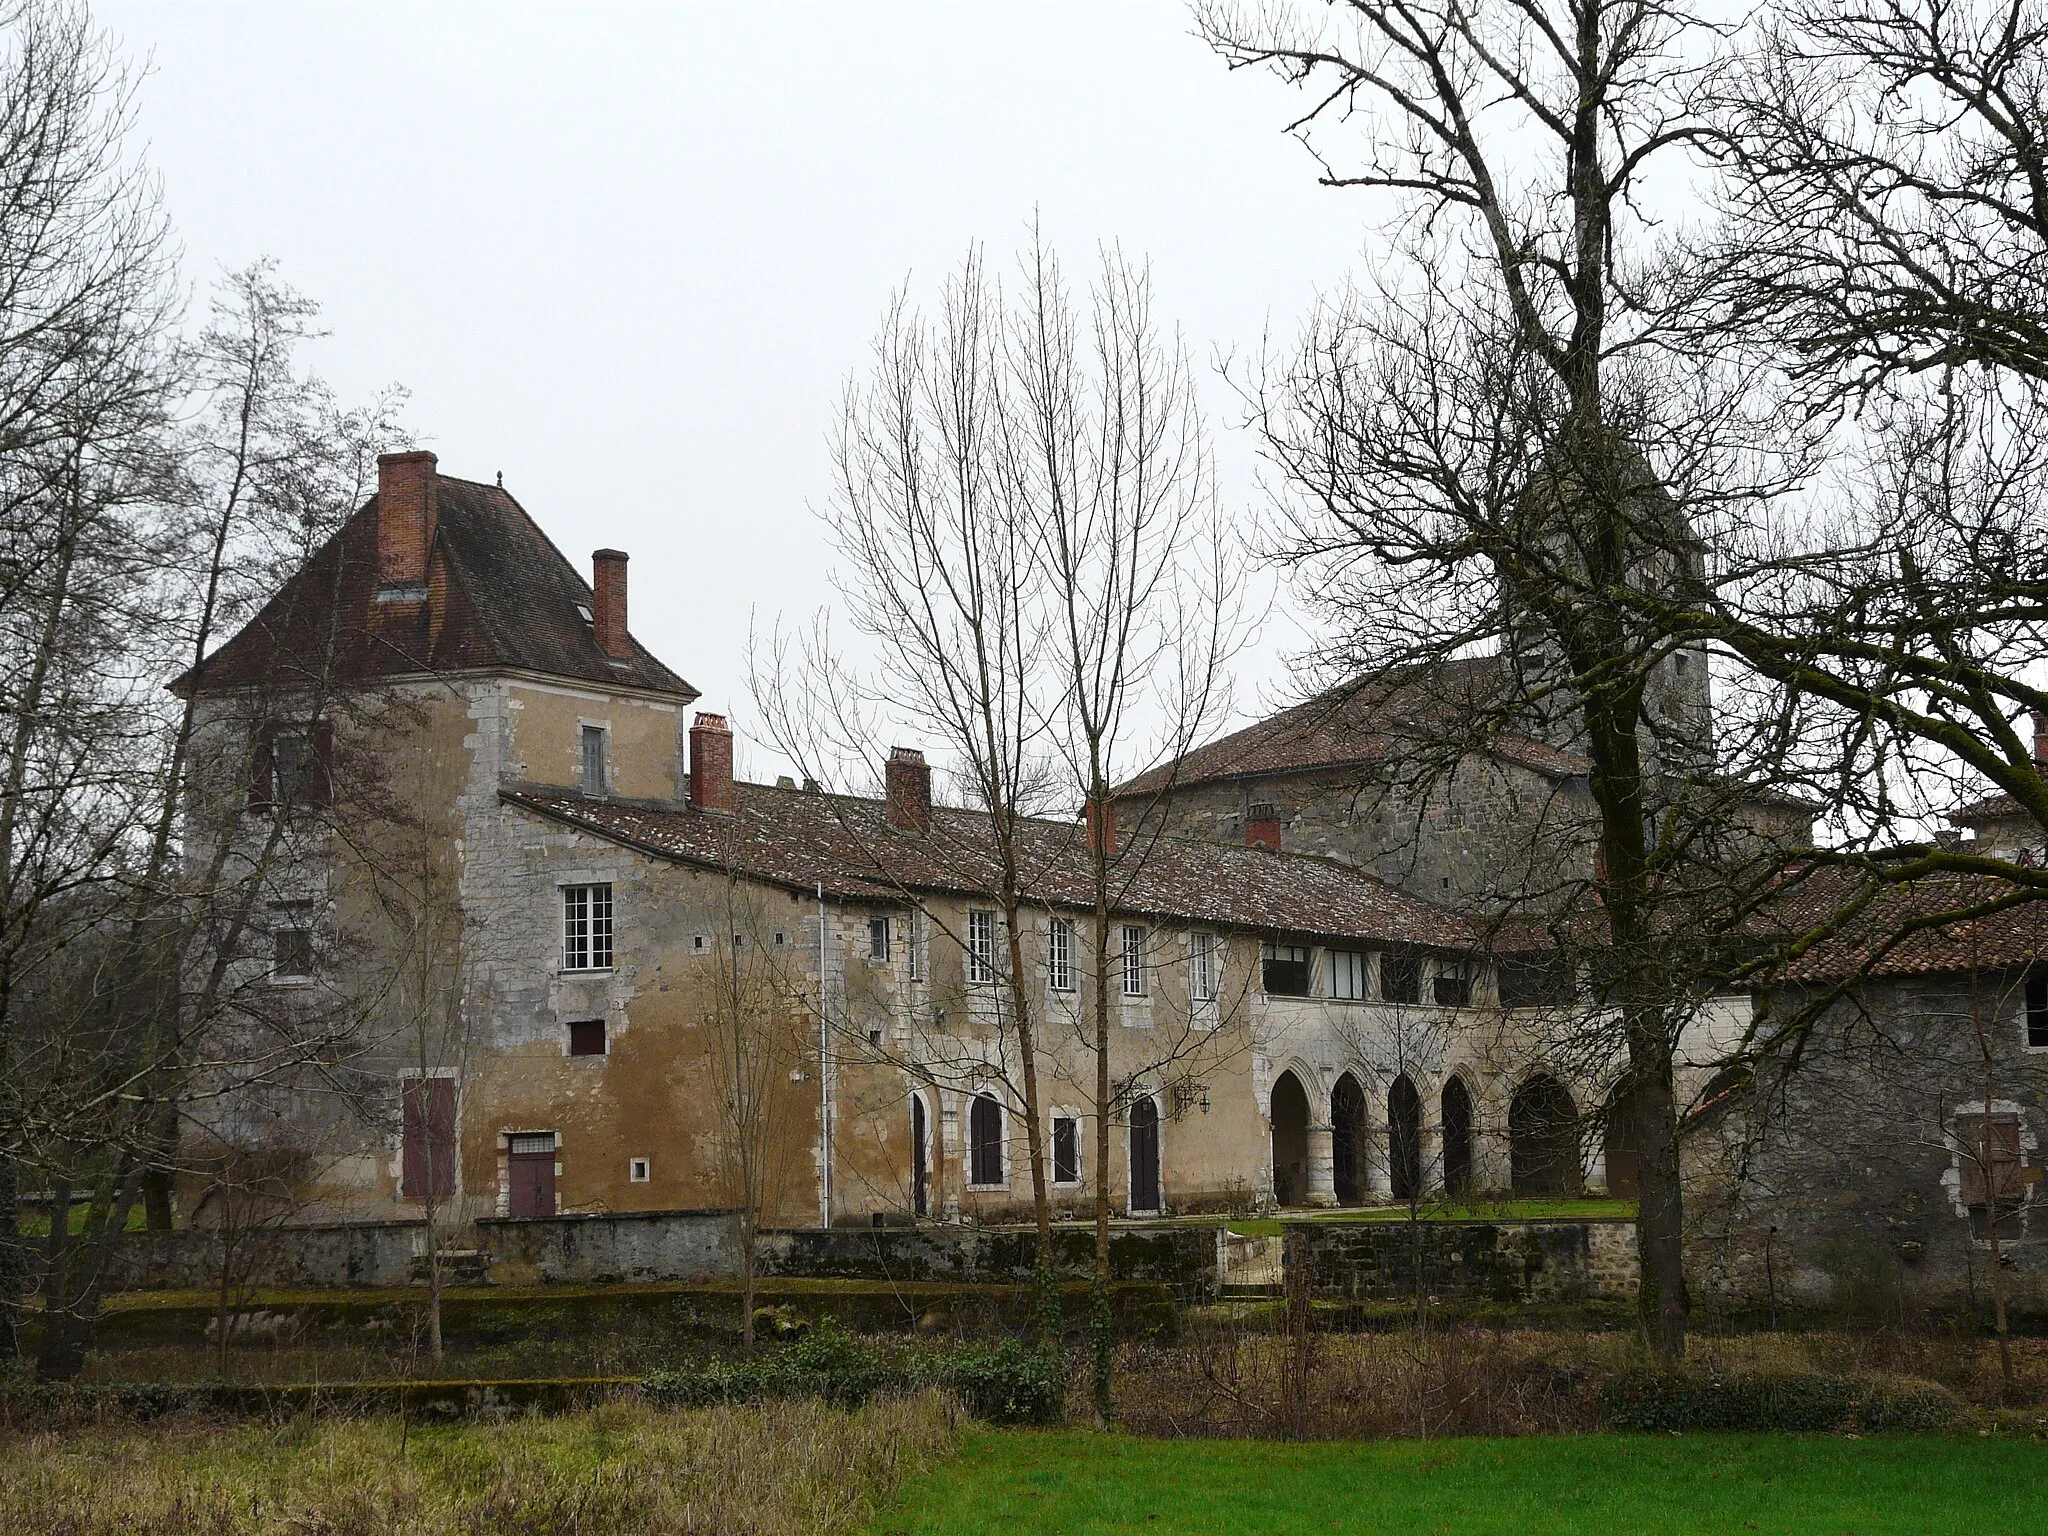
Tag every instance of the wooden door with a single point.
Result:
(533, 1177)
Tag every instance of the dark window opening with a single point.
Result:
(1452, 986)
(1145, 1192)
(1536, 983)
(1285, 970)
(1543, 1139)
(878, 938)
(291, 765)
(1404, 1138)
(920, 1159)
(587, 1037)
(1066, 1151)
(2037, 1009)
(1457, 1109)
(985, 1141)
(291, 942)
(593, 760)
(1348, 1140)
(1400, 979)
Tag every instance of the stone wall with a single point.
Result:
(1503, 1262)
(1185, 1258)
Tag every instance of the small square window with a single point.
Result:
(697, 941)
(781, 939)
(587, 1037)
(639, 1169)
(878, 938)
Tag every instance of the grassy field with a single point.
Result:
(790, 1469)
(1067, 1484)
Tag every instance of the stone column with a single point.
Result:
(1378, 1153)
(1322, 1165)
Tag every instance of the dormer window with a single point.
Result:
(583, 613)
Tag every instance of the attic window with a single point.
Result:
(583, 613)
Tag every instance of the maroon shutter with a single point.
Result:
(260, 767)
(429, 1148)
(320, 771)
(413, 1179)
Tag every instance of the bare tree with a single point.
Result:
(1499, 436)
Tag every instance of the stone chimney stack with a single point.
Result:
(907, 791)
(608, 604)
(711, 763)
(407, 514)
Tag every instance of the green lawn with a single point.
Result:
(1697, 1485)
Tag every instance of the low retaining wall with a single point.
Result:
(1505, 1262)
(687, 1246)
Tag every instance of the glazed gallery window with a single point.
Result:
(1202, 967)
(587, 927)
(1285, 970)
(593, 759)
(1059, 954)
(1452, 987)
(1347, 975)
(981, 946)
(985, 1141)
(1400, 979)
(1134, 960)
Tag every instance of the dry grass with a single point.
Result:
(1467, 1380)
(627, 1468)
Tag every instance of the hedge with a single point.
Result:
(1797, 1403)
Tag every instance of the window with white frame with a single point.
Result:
(587, 927)
(981, 945)
(913, 942)
(1134, 960)
(1347, 975)
(878, 938)
(1059, 954)
(1202, 967)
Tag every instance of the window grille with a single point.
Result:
(981, 946)
(587, 927)
(1059, 954)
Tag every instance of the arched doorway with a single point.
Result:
(1290, 1141)
(1623, 1144)
(1543, 1139)
(1404, 1138)
(920, 1158)
(1146, 1197)
(1457, 1111)
(1348, 1140)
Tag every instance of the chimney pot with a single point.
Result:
(711, 763)
(907, 791)
(608, 604)
(407, 514)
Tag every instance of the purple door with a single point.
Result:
(533, 1175)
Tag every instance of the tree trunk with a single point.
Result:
(1102, 1320)
(1662, 1302)
(1045, 1282)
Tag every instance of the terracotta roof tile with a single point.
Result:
(801, 839)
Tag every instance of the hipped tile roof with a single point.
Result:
(500, 596)
(1352, 724)
(803, 839)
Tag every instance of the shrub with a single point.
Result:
(1693, 1400)
(1006, 1385)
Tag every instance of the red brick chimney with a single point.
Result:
(407, 513)
(711, 763)
(907, 791)
(2040, 739)
(608, 604)
(1102, 827)
(1262, 827)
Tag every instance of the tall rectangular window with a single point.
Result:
(1347, 975)
(981, 945)
(2037, 1010)
(587, 927)
(913, 943)
(1066, 1150)
(878, 938)
(1202, 967)
(427, 1161)
(291, 942)
(1059, 954)
(594, 777)
(1134, 960)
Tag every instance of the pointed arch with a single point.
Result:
(1456, 1119)
(1290, 1140)
(1543, 1138)
(1404, 1138)
(1349, 1131)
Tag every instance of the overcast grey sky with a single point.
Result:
(627, 254)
